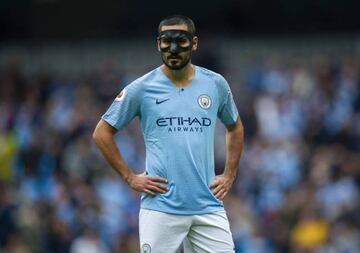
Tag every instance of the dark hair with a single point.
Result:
(178, 20)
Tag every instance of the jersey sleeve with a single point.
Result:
(125, 107)
(227, 111)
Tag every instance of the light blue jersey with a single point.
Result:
(178, 127)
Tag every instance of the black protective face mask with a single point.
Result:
(173, 42)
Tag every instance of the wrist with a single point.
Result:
(229, 175)
(128, 177)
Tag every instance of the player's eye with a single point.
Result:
(184, 42)
(165, 41)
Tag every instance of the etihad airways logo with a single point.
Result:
(184, 124)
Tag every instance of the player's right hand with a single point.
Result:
(148, 184)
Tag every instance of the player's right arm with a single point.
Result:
(103, 136)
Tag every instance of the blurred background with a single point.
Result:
(294, 68)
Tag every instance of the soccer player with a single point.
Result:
(178, 104)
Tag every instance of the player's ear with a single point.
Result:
(195, 43)
(158, 44)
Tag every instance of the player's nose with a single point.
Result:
(174, 48)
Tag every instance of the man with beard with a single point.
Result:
(178, 104)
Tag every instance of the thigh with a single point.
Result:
(210, 233)
(161, 232)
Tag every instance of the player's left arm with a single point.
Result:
(234, 145)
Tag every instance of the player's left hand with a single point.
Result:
(221, 186)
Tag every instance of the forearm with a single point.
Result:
(234, 146)
(105, 142)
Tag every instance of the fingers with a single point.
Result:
(149, 185)
(157, 188)
(217, 189)
(149, 192)
(158, 179)
(162, 187)
(215, 183)
(153, 189)
(153, 185)
(221, 194)
(220, 188)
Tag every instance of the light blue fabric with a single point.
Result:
(178, 127)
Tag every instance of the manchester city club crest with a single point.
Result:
(121, 95)
(145, 248)
(204, 101)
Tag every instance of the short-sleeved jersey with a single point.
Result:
(178, 126)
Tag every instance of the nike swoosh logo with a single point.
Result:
(161, 101)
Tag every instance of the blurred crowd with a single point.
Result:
(298, 186)
(297, 189)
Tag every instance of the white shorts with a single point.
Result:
(168, 233)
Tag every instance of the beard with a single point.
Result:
(175, 61)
